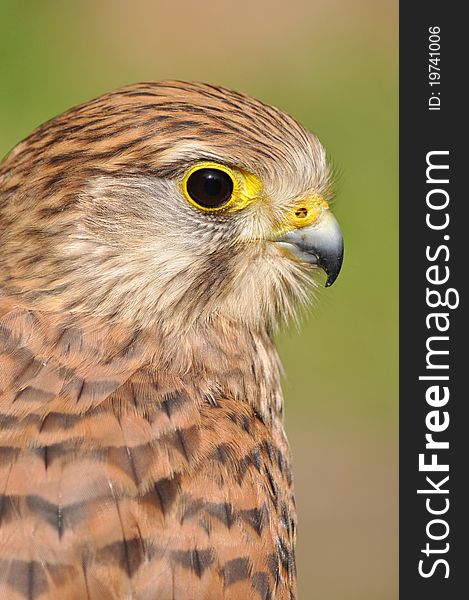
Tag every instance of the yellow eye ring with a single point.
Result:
(210, 186)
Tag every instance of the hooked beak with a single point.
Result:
(320, 243)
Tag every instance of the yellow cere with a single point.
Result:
(246, 187)
(302, 213)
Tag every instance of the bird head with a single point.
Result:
(170, 203)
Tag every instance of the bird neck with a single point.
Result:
(72, 365)
(230, 359)
(221, 358)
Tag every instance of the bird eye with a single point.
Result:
(209, 188)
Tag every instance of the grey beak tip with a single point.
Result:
(331, 279)
(332, 268)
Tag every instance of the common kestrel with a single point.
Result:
(150, 240)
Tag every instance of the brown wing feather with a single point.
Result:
(119, 479)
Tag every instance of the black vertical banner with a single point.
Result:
(434, 269)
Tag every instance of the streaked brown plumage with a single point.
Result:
(142, 451)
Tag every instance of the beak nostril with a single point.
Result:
(301, 213)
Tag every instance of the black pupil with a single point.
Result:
(210, 188)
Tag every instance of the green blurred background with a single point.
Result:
(333, 65)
